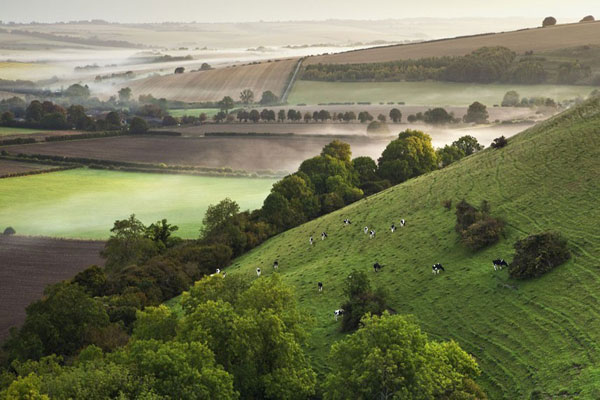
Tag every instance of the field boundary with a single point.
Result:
(293, 78)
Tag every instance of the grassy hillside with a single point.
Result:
(537, 39)
(540, 335)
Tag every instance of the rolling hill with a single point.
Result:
(213, 85)
(532, 339)
(536, 39)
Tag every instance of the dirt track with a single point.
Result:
(29, 264)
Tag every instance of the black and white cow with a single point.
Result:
(323, 235)
(258, 271)
(366, 230)
(372, 234)
(347, 222)
(224, 274)
(217, 272)
(377, 267)
(310, 240)
(337, 313)
(437, 268)
(276, 264)
(393, 228)
(320, 286)
(402, 222)
(499, 264)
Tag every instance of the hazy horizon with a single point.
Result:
(236, 11)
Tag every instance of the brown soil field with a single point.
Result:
(536, 39)
(214, 84)
(250, 153)
(8, 167)
(29, 264)
(39, 136)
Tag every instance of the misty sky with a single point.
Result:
(285, 10)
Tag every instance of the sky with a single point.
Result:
(286, 10)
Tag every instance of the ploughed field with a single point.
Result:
(532, 339)
(29, 264)
(84, 203)
(9, 167)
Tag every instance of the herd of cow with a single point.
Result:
(437, 268)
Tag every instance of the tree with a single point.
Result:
(499, 142)
(160, 232)
(7, 118)
(537, 254)
(549, 21)
(468, 144)
(124, 95)
(437, 116)
(307, 117)
(381, 118)
(449, 154)
(254, 116)
(138, 126)
(324, 115)
(395, 115)
(158, 323)
(77, 118)
(390, 358)
(337, 149)
(202, 118)
(588, 18)
(268, 98)
(349, 116)
(179, 70)
(54, 120)
(281, 115)
(34, 111)
(511, 99)
(406, 157)
(218, 214)
(226, 104)
(205, 67)
(378, 127)
(219, 117)
(366, 168)
(243, 115)
(476, 113)
(113, 119)
(169, 120)
(247, 96)
(9, 231)
(76, 90)
(364, 116)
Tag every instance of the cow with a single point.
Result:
(347, 222)
(320, 286)
(366, 230)
(337, 313)
(402, 222)
(217, 272)
(323, 235)
(377, 267)
(499, 264)
(372, 234)
(311, 241)
(276, 264)
(258, 271)
(393, 228)
(437, 268)
(224, 273)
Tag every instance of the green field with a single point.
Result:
(84, 203)
(193, 112)
(538, 335)
(424, 93)
(6, 131)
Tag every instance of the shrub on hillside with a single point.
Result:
(499, 142)
(361, 300)
(588, 18)
(537, 254)
(9, 231)
(476, 227)
(549, 21)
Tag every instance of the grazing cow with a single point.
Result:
(366, 230)
(311, 240)
(320, 285)
(377, 267)
(347, 222)
(218, 271)
(276, 264)
(402, 222)
(372, 234)
(437, 268)
(393, 228)
(224, 273)
(337, 313)
(323, 236)
(499, 264)
(258, 271)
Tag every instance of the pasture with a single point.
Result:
(193, 112)
(535, 39)
(530, 336)
(8, 131)
(30, 264)
(214, 84)
(84, 203)
(425, 93)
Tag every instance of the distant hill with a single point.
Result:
(539, 336)
(213, 85)
(536, 39)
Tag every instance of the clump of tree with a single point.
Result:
(573, 72)
(406, 157)
(395, 115)
(511, 99)
(361, 300)
(138, 126)
(537, 254)
(268, 98)
(464, 146)
(389, 357)
(476, 113)
(548, 21)
(378, 127)
(499, 142)
(476, 227)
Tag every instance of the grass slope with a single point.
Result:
(540, 335)
(7, 131)
(84, 203)
(425, 93)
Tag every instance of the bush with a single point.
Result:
(477, 228)
(138, 126)
(447, 204)
(378, 127)
(499, 142)
(588, 18)
(9, 231)
(549, 21)
(537, 254)
(511, 99)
